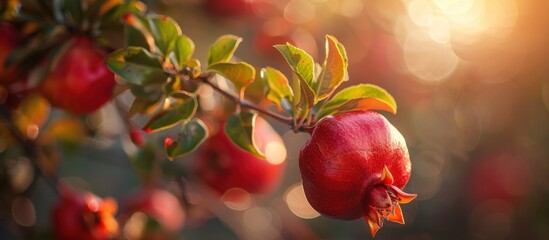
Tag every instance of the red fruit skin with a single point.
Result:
(222, 165)
(345, 157)
(72, 218)
(8, 41)
(137, 137)
(159, 204)
(226, 8)
(80, 81)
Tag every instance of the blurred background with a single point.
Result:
(471, 79)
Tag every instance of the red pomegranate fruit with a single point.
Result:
(160, 206)
(355, 165)
(84, 216)
(222, 165)
(79, 82)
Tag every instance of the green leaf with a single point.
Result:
(240, 130)
(304, 101)
(241, 74)
(138, 31)
(334, 70)
(150, 92)
(303, 67)
(300, 62)
(165, 32)
(223, 49)
(181, 107)
(112, 10)
(359, 97)
(277, 88)
(136, 65)
(191, 136)
(183, 50)
(135, 38)
(143, 106)
(147, 98)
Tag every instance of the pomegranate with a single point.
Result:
(158, 205)
(222, 165)
(84, 216)
(79, 82)
(355, 165)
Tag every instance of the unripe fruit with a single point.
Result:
(84, 216)
(158, 205)
(79, 82)
(8, 41)
(222, 165)
(137, 137)
(355, 165)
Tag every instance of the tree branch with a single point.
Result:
(243, 102)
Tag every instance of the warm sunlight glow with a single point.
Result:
(298, 204)
(257, 218)
(428, 60)
(237, 199)
(275, 152)
(450, 23)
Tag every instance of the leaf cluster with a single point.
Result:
(161, 72)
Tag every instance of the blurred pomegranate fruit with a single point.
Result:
(79, 81)
(84, 216)
(152, 213)
(355, 165)
(222, 165)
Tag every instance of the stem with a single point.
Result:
(243, 102)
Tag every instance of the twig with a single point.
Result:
(243, 102)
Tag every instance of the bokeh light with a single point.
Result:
(237, 199)
(275, 153)
(257, 218)
(298, 204)
(23, 211)
(433, 28)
